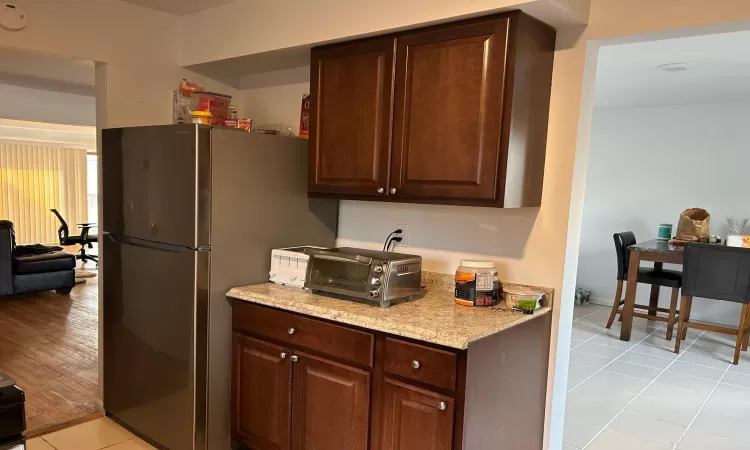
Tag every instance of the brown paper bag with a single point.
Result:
(693, 224)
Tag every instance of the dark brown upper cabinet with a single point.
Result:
(466, 115)
(350, 124)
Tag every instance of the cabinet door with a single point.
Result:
(448, 112)
(331, 405)
(350, 119)
(415, 419)
(262, 394)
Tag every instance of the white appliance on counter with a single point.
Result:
(289, 265)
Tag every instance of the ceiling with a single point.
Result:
(718, 69)
(47, 72)
(180, 7)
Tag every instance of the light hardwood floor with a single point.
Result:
(49, 345)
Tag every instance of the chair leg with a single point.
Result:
(746, 338)
(672, 313)
(616, 305)
(685, 310)
(680, 324)
(740, 333)
(653, 300)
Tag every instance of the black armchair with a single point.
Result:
(84, 239)
(32, 272)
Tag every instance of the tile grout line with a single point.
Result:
(613, 360)
(639, 394)
(655, 356)
(679, 441)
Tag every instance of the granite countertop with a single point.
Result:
(433, 318)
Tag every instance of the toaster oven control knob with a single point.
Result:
(374, 293)
(375, 281)
(378, 269)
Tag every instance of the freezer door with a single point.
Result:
(156, 183)
(154, 312)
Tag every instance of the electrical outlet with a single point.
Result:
(404, 235)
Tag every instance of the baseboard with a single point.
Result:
(600, 301)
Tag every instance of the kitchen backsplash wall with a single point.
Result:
(443, 235)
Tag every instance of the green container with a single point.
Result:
(665, 231)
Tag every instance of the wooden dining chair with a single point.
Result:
(719, 273)
(646, 275)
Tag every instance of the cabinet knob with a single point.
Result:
(393, 190)
(283, 355)
(415, 364)
(291, 331)
(381, 190)
(441, 405)
(294, 358)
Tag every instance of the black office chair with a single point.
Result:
(720, 273)
(84, 239)
(647, 275)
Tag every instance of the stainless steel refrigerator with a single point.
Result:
(188, 212)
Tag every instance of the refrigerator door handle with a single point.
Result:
(127, 240)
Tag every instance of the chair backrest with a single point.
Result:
(715, 271)
(62, 232)
(622, 242)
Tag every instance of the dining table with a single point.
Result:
(659, 251)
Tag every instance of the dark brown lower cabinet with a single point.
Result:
(262, 393)
(331, 405)
(416, 419)
(301, 383)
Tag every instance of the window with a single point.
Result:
(92, 189)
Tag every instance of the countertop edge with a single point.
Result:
(407, 331)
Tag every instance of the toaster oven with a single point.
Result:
(365, 274)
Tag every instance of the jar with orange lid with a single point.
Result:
(476, 283)
(202, 117)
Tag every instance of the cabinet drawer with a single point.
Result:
(417, 362)
(304, 332)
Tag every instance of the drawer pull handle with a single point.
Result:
(283, 355)
(442, 406)
(294, 358)
(415, 364)
(291, 331)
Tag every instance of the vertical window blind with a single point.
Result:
(35, 179)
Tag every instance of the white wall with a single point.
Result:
(649, 164)
(274, 96)
(23, 103)
(247, 27)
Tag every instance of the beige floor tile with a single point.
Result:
(675, 395)
(132, 444)
(584, 359)
(666, 411)
(694, 440)
(646, 428)
(687, 382)
(645, 360)
(695, 370)
(737, 379)
(726, 427)
(633, 370)
(703, 360)
(588, 411)
(92, 435)
(611, 440)
(38, 444)
(578, 434)
(599, 350)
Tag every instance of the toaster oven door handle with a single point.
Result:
(342, 257)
